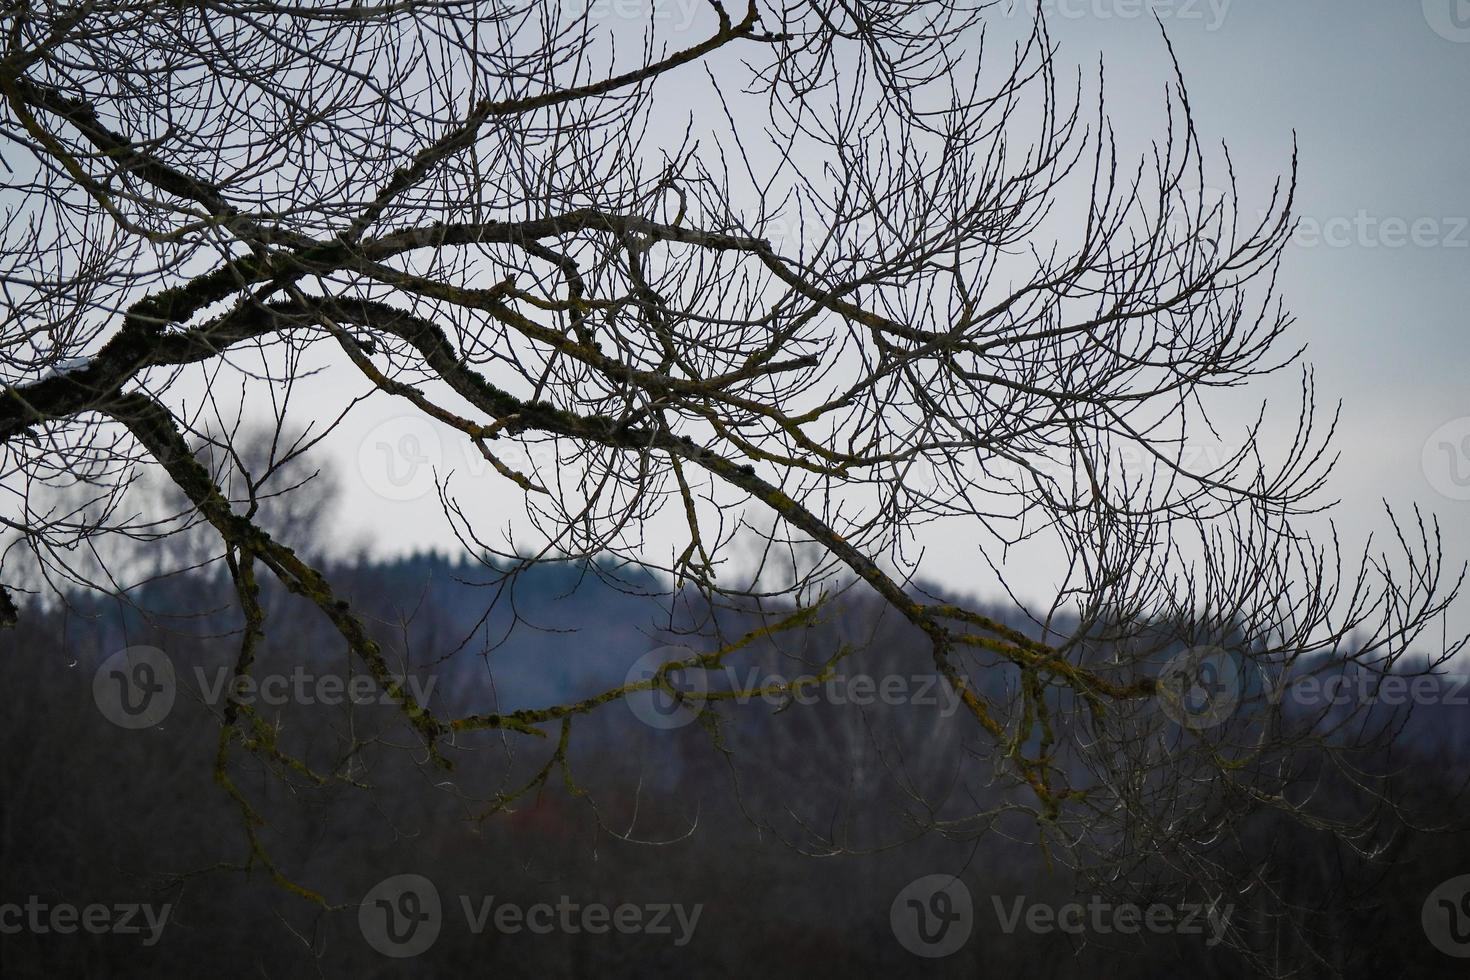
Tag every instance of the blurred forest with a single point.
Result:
(732, 819)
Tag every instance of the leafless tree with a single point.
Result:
(812, 280)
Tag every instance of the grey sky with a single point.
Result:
(1375, 95)
(1379, 275)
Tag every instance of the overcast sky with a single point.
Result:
(1375, 93)
(1378, 276)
